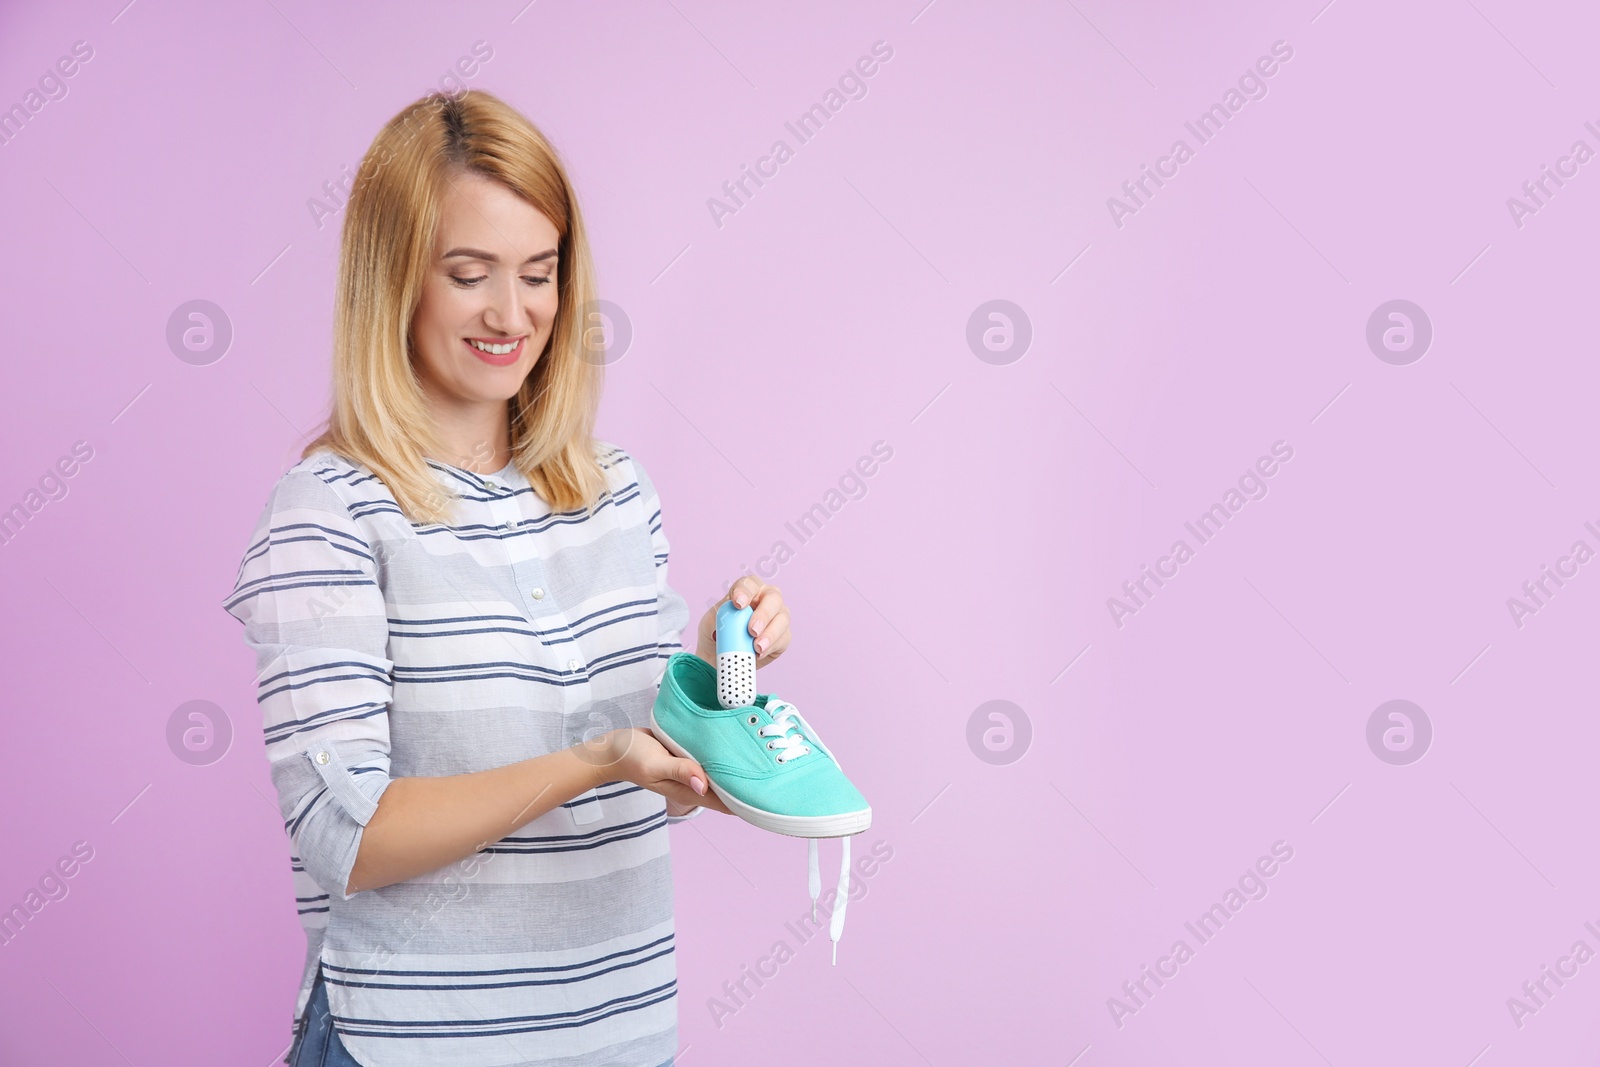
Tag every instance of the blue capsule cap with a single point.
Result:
(733, 629)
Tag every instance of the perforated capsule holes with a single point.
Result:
(736, 679)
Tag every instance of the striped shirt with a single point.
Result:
(389, 649)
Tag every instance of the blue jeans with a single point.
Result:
(317, 1043)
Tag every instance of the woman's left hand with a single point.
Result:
(769, 623)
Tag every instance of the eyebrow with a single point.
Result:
(490, 257)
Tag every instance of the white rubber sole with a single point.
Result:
(846, 825)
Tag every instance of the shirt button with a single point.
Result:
(511, 524)
(574, 664)
(322, 757)
(537, 594)
(490, 485)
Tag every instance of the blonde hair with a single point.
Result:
(379, 416)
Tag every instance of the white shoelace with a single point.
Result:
(792, 745)
(789, 745)
(836, 923)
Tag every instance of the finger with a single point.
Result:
(768, 606)
(692, 776)
(774, 638)
(744, 591)
(714, 802)
(676, 793)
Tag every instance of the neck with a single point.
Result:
(474, 436)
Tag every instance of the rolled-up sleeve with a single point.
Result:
(313, 611)
(672, 610)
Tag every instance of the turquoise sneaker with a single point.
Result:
(766, 763)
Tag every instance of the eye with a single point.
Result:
(469, 283)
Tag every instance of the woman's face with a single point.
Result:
(493, 282)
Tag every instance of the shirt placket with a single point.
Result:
(506, 512)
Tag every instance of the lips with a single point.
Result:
(489, 357)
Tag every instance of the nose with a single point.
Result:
(506, 313)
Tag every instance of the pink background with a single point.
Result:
(768, 355)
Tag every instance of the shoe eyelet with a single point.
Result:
(752, 720)
(780, 759)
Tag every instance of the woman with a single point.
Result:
(454, 667)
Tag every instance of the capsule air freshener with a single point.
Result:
(736, 657)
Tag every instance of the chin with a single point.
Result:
(502, 388)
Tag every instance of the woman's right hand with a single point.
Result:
(635, 755)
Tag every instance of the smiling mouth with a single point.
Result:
(497, 353)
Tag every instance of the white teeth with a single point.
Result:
(494, 350)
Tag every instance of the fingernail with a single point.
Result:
(761, 645)
(697, 785)
(756, 626)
